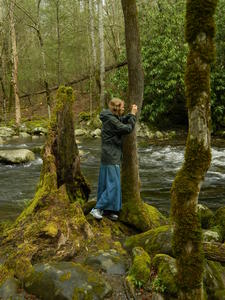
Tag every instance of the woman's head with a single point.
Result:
(116, 106)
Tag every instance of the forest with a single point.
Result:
(65, 65)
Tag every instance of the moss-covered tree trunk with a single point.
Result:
(187, 244)
(53, 226)
(134, 211)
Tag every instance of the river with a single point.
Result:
(158, 166)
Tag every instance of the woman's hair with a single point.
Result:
(115, 105)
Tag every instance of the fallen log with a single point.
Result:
(75, 81)
(214, 251)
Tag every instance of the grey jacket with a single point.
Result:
(113, 129)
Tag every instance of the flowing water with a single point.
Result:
(158, 167)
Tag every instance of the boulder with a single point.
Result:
(16, 156)
(80, 132)
(66, 280)
(24, 135)
(96, 133)
(6, 132)
(9, 290)
(164, 267)
(110, 262)
(211, 236)
(39, 130)
(159, 135)
(139, 272)
(206, 216)
(153, 241)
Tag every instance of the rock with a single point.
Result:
(206, 216)
(110, 262)
(153, 241)
(171, 134)
(211, 236)
(96, 133)
(157, 296)
(158, 135)
(66, 280)
(139, 272)
(23, 128)
(6, 132)
(24, 135)
(80, 132)
(214, 280)
(9, 288)
(16, 156)
(39, 130)
(220, 221)
(1, 141)
(37, 149)
(165, 280)
(35, 137)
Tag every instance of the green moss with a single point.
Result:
(142, 216)
(220, 221)
(51, 229)
(139, 272)
(200, 30)
(199, 18)
(206, 216)
(65, 276)
(154, 241)
(214, 280)
(165, 268)
(187, 231)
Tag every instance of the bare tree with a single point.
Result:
(102, 54)
(15, 63)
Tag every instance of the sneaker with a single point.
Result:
(96, 213)
(113, 217)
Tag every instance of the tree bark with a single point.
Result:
(48, 96)
(59, 71)
(15, 64)
(133, 212)
(92, 34)
(102, 54)
(187, 244)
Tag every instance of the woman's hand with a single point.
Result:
(134, 109)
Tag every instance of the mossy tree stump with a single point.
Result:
(187, 243)
(53, 226)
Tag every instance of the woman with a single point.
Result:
(114, 126)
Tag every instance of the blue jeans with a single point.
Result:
(109, 188)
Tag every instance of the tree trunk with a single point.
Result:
(102, 54)
(59, 71)
(53, 226)
(48, 96)
(15, 64)
(185, 190)
(4, 95)
(134, 212)
(92, 34)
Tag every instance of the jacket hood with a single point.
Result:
(105, 115)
